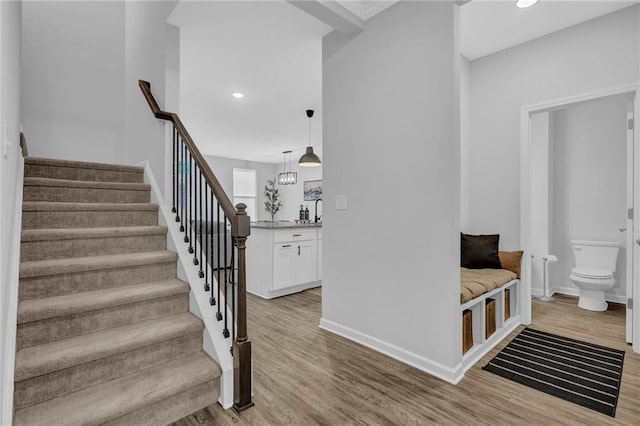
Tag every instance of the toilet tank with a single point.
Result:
(596, 254)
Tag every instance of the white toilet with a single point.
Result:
(593, 274)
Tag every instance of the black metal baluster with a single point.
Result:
(201, 272)
(218, 314)
(173, 169)
(183, 190)
(207, 236)
(225, 332)
(196, 203)
(212, 298)
(190, 202)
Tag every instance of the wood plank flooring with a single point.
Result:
(306, 376)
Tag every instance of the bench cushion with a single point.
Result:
(476, 282)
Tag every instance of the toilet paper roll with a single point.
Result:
(549, 258)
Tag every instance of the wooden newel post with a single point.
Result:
(241, 345)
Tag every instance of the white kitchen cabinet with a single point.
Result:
(284, 266)
(282, 261)
(306, 262)
(319, 254)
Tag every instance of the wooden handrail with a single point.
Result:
(23, 145)
(209, 176)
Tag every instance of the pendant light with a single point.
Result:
(287, 177)
(309, 159)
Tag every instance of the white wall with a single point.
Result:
(81, 65)
(598, 54)
(391, 145)
(465, 70)
(589, 185)
(145, 34)
(223, 169)
(541, 135)
(293, 195)
(73, 79)
(10, 22)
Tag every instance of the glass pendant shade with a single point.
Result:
(309, 158)
(287, 177)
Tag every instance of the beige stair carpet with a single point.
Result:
(104, 330)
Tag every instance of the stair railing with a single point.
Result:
(205, 213)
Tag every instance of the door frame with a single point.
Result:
(525, 192)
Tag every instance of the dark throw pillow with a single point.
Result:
(479, 251)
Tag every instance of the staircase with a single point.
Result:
(104, 331)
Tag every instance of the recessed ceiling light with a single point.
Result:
(237, 95)
(525, 3)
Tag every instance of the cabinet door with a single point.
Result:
(319, 260)
(306, 262)
(284, 258)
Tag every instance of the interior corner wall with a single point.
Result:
(81, 66)
(541, 131)
(293, 195)
(10, 76)
(464, 142)
(73, 77)
(223, 169)
(597, 54)
(145, 51)
(391, 146)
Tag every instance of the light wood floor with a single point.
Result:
(306, 376)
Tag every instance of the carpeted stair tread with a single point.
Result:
(42, 359)
(117, 398)
(58, 234)
(39, 268)
(54, 162)
(33, 206)
(86, 184)
(52, 307)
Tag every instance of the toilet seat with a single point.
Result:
(592, 274)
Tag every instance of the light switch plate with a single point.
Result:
(341, 202)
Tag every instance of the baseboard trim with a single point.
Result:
(568, 291)
(451, 375)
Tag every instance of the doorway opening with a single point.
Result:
(580, 181)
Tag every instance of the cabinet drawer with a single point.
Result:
(294, 235)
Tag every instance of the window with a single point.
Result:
(245, 190)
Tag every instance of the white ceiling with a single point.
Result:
(488, 26)
(271, 51)
(365, 9)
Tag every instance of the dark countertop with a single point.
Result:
(284, 225)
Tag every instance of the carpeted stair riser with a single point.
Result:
(104, 333)
(55, 285)
(85, 195)
(58, 245)
(112, 401)
(62, 382)
(173, 408)
(37, 219)
(59, 169)
(50, 330)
